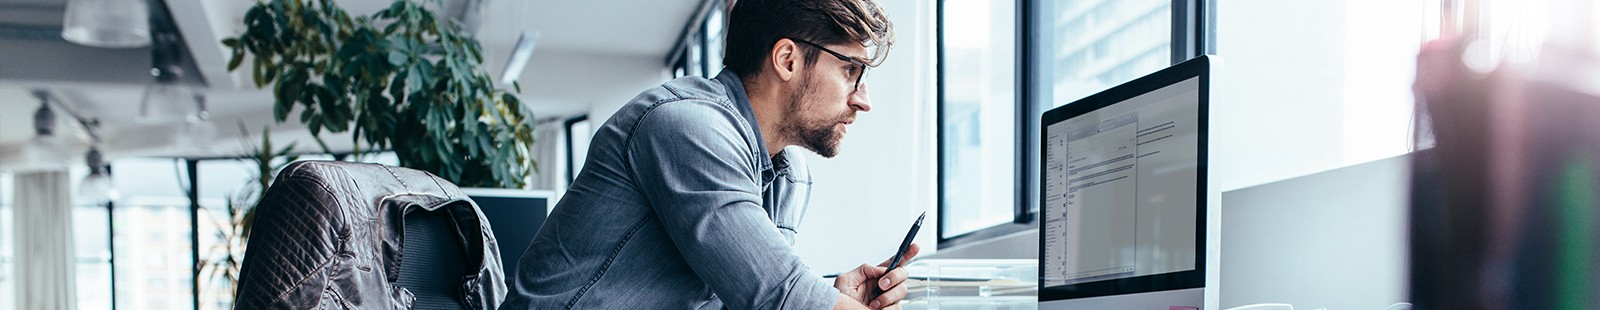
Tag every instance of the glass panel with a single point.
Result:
(1086, 46)
(979, 109)
(696, 62)
(152, 235)
(227, 188)
(1090, 45)
(582, 132)
(714, 32)
(94, 283)
(8, 286)
(91, 243)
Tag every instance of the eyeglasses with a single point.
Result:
(859, 64)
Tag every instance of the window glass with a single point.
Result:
(222, 184)
(714, 32)
(582, 132)
(1090, 45)
(1078, 47)
(1086, 46)
(92, 244)
(152, 235)
(980, 115)
(90, 233)
(8, 276)
(696, 58)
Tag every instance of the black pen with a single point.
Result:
(906, 244)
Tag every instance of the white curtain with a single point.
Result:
(45, 260)
(549, 143)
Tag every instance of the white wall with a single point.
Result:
(576, 82)
(864, 199)
(1306, 86)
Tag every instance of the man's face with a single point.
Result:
(825, 101)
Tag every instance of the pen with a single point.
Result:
(906, 244)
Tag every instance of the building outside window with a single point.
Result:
(988, 132)
(1086, 46)
(979, 109)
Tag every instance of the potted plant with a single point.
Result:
(400, 79)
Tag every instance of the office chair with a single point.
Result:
(349, 235)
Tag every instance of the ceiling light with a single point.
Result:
(107, 23)
(166, 100)
(44, 119)
(96, 187)
(519, 58)
(169, 102)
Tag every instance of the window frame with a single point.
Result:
(694, 36)
(566, 130)
(1193, 27)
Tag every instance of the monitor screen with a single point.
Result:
(515, 217)
(1123, 188)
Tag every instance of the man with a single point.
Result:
(688, 198)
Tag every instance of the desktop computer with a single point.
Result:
(1124, 194)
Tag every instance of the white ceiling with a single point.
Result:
(107, 84)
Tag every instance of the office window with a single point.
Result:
(91, 246)
(680, 68)
(988, 117)
(91, 234)
(979, 108)
(696, 60)
(8, 275)
(1086, 46)
(699, 51)
(221, 182)
(151, 235)
(713, 35)
(1090, 45)
(579, 131)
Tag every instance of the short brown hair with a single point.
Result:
(755, 25)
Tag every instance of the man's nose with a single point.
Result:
(858, 99)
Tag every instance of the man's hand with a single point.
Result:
(874, 286)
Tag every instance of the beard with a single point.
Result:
(809, 130)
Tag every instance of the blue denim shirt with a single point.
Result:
(677, 206)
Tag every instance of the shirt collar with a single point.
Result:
(742, 101)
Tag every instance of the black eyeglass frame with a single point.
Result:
(858, 63)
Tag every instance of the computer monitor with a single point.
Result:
(515, 217)
(1123, 194)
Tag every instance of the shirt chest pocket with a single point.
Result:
(789, 194)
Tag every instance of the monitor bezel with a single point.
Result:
(1198, 67)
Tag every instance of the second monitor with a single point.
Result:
(1124, 192)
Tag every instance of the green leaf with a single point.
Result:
(397, 57)
(315, 125)
(400, 78)
(255, 73)
(280, 109)
(238, 56)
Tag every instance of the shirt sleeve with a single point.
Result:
(693, 165)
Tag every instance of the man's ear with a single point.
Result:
(785, 59)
